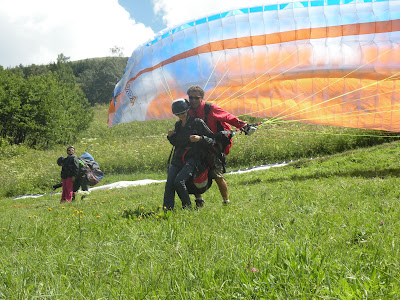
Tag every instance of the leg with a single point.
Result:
(180, 184)
(169, 191)
(67, 190)
(223, 188)
(199, 200)
(218, 175)
(64, 190)
(84, 184)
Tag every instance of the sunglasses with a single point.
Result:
(195, 98)
(181, 113)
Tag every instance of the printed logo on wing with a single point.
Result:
(130, 94)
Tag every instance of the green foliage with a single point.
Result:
(97, 78)
(43, 110)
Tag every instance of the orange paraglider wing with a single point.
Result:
(333, 62)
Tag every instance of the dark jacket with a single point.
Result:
(70, 167)
(184, 148)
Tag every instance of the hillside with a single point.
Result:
(139, 150)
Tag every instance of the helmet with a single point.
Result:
(60, 160)
(180, 106)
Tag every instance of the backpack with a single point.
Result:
(200, 181)
(223, 137)
(90, 168)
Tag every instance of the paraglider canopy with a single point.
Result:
(330, 62)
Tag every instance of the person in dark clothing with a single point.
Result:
(69, 171)
(191, 138)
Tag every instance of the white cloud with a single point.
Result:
(176, 12)
(35, 32)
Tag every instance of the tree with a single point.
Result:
(41, 110)
(98, 81)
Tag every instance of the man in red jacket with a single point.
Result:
(217, 120)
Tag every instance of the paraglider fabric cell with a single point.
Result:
(333, 62)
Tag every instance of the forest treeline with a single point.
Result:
(44, 105)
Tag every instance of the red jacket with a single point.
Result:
(217, 114)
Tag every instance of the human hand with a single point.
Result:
(249, 129)
(170, 132)
(195, 138)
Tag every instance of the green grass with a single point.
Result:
(326, 228)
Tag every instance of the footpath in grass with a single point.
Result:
(326, 228)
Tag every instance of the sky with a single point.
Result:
(37, 31)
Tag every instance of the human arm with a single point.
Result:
(202, 139)
(204, 135)
(221, 115)
(178, 137)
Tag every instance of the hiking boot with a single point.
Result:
(225, 201)
(200, 203)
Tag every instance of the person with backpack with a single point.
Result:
(219, 121)
(69, 172)
(191, 139)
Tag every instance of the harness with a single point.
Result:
(207, 108)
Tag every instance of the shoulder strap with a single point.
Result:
(207, 108)
(170, 155)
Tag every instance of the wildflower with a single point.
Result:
(382, 223)
(254, 270)
(142, 208)
(73, 215)
(81, 212)
(97, 217)
(29, 217)
(63, 207)
(49, 209)
(35, 216)
(3, 228)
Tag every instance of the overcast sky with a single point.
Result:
(36, 31)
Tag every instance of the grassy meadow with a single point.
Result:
(325, 228)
